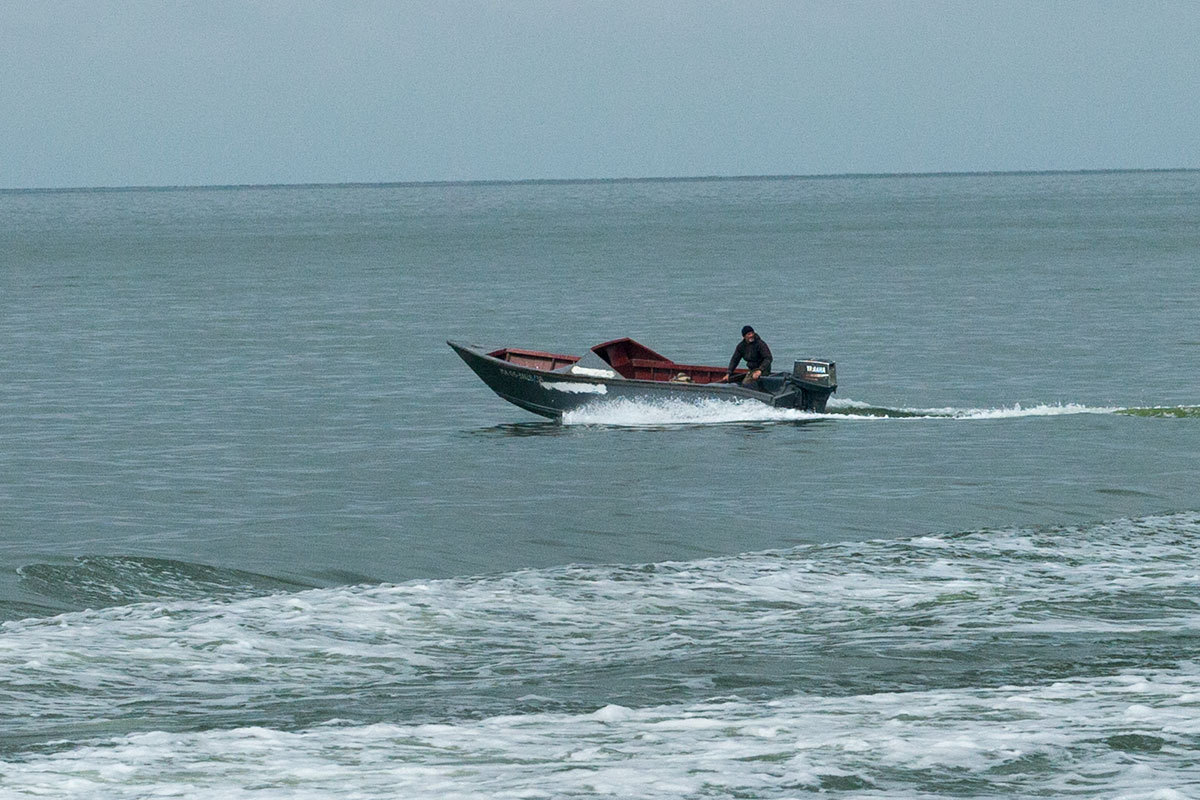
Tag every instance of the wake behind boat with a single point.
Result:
(550, 384)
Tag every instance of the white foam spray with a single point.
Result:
(636, 413)
(624, 412)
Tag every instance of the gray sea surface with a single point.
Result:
(262, 534)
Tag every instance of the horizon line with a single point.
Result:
(556, 181)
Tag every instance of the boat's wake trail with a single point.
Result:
(658, 413)
(1178, 412)
(852, 408)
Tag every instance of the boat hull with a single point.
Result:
(554, 393)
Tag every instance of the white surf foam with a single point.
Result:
(1126, 735)
(1021, 597)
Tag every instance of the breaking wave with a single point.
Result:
(100, 581)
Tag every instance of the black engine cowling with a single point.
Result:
(815, 379)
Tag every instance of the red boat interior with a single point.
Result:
(630, 359)
(636, 361)
(534, 359)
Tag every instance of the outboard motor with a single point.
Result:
(815, 379)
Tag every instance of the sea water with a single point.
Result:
(263, 535)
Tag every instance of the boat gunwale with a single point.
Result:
(687, 386)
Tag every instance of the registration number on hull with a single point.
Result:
(521, 376)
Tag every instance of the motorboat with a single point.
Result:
(551, 384)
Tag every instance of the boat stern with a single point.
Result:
(809, 385)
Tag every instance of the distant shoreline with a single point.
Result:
(584, 181)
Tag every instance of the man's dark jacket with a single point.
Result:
(756, 353)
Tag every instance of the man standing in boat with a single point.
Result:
(757, 355)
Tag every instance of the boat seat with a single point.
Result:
(774, 382)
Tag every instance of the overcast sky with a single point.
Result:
(98, 93)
